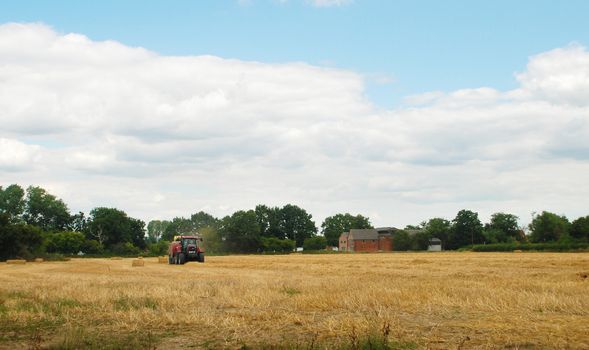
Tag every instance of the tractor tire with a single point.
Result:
(176, 260)
(181, 259)
(200, 258)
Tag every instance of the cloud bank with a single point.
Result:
(101, 123)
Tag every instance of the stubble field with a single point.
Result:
(404, 300)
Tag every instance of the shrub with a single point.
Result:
(551, 246)
(159, 248)
(315, 243)
(273, 244)
(125, 249)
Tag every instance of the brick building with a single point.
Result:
(367, 240)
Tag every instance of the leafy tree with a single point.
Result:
(315, 243)
(156, 229)
(502, 228)
(12, 202)
(439, 228)
(241, 232)
(296, 224)
(201, 220)
(125, 248)
(18, 240)
(333, 226)
(416, 227)
(78, 222)
(92, 246)
(45, 210)
(273, 244)
(580, 228)
(269, 219)
(467, 229)
(401, 241)
(177, 226)
(110, 226)
(212, 240)
(548, 227)
(65, 242)
(158, 248)
(420, 240)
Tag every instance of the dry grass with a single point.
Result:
(16, 262)
(422, 300)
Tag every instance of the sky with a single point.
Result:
(398, 110)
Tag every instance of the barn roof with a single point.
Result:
(369, 233)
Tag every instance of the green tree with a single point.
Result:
(177, 226)
(420, 240)
(273, 244)
(110, 226)
(333, 226)
(12, 202)
(401, 241)
(296, 224)
(548, 227)
(66, 242)
(241, 232)
(201, 220)
(78, 222)
(156, 229)
(44, 210)
(212, 240)
(439, 228)
(269, 219)
(466, 230)
(502, 228)
(315, 243)
(158, 248)
(19, 240)
(580, 228)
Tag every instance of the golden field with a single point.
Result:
(414, 300)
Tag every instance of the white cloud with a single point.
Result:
(17, 156)
(161, 136)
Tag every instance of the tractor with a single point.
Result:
(186, 248)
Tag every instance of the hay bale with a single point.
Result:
(517, 251)
(116, 258)
(39, 260)
(162, 259)
(16, 261)
(138, 262)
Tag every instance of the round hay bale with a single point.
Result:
(16, 261)
(138, 262)
(39, 260)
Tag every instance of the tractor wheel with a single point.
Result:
(176, 260)
(181, 259)
(200, 258)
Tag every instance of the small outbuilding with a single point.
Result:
(435, 245)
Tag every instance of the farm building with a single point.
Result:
(367, 240)
(435, 245)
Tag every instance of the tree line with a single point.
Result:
(34, 222)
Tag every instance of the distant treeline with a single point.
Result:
(35, 223)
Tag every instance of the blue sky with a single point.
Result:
(422, 45)
(399, 110)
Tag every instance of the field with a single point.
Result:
(404, 300)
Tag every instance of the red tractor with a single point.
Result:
(186, 248)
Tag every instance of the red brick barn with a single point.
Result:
(367, 240)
